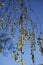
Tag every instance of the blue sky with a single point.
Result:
(37, 6)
